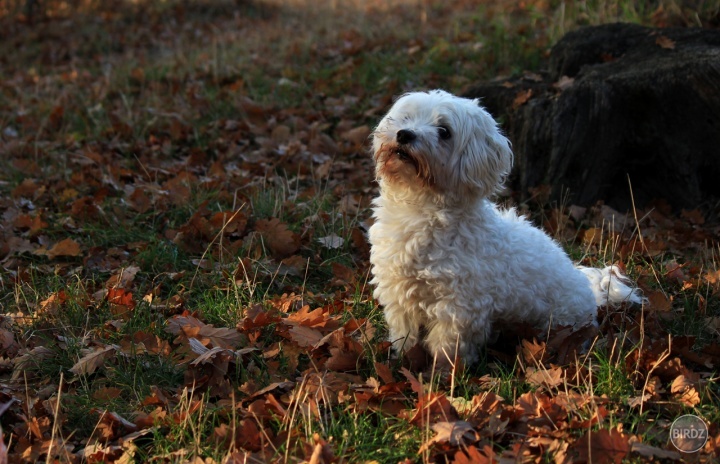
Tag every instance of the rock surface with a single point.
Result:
(618, 101)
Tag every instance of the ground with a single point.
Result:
(184, 190)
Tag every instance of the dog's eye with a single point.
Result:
(443, 132)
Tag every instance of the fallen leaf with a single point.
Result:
(93, 358)
(383, 370)
(277, 237)
(602, 446)
(457, 433)
(564, 83)
(67, 247)
(648, 451)
(549, 378)
(472, 455)
(665, 42)
(532, 351)
(521, 98)
(191, 327)
(332, 241)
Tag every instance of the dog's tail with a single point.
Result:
(611, 286)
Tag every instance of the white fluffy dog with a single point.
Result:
(446, 262)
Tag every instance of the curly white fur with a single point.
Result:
(446, 262)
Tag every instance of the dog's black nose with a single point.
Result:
(405, 136)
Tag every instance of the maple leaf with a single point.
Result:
(92, 359)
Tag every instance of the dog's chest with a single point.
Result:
(414, 246)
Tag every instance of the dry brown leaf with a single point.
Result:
(549, 378)
(665, 42)
(472, 455)
(191, 327)
(305, 336)
(645, 450)
(277, 237)
(332, 241)
(384, 372)
(34, 356)
(106, 393)
(358, 135)
(532, 351)
(343, 360)
(564, 82)
(67, 247)
(602, 446)
(712, 277)
(342, 275)
(123, 278)
(521, 98)
(659, 301)
(592, 236)
(93, 358)
(457, 433)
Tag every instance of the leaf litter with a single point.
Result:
(174, 200)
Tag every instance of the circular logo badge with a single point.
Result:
(689, 433)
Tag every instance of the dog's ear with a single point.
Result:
(488, 158)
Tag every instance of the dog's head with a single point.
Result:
(435, 140)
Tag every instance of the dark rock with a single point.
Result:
(618, 100)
